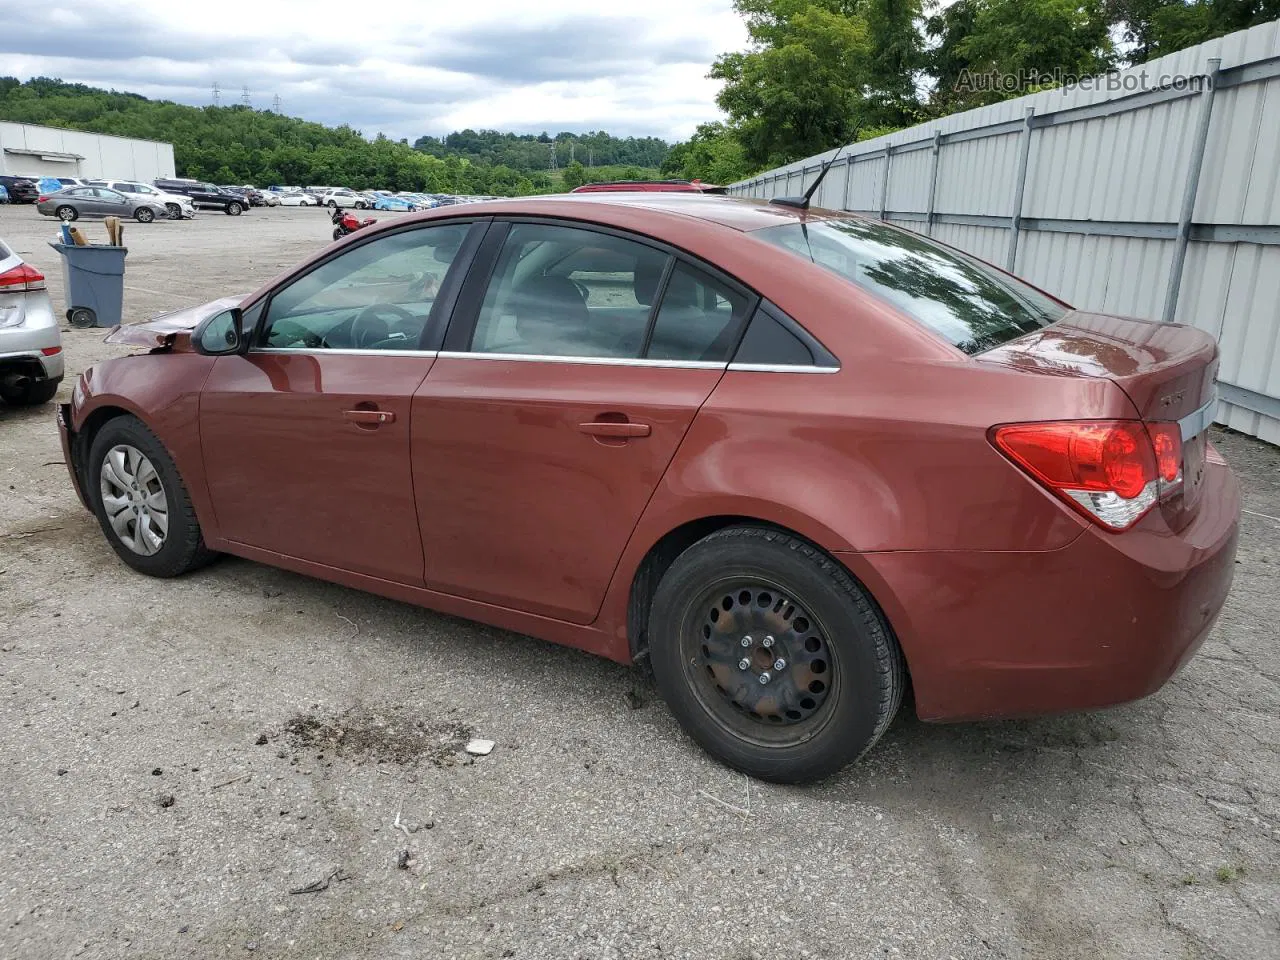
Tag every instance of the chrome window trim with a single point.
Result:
(345, 352)
(599, 361)
(779, 368)
(1193, 424)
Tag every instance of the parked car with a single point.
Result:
(269, 198)
(4, 194)
(77, 202)
(54, 184)
(649, 186)
(20, 189)
(394, 203)
(251, 196)
(205, 195)
(791, 456)
(31, 362)
(298, 199)
(343, 198)
(177, 206)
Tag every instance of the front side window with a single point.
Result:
(966, 302)
(376, 296)
(567, 292)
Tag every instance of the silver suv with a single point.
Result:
(30, 343)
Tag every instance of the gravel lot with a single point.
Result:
(177, 757)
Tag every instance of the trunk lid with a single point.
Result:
(1167, 370)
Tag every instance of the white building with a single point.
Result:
(32, 151)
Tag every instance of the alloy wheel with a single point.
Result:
(134, 499)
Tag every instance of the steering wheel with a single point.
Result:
(369, 325)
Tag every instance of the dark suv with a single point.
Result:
(21, 189)
(205, 195)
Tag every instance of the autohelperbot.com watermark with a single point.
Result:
(1028, 81)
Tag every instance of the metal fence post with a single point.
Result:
(848, 182)
(1019, 188)
(884, 184)
(1189, 192)
(933, 183)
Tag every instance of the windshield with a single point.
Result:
(968, 303)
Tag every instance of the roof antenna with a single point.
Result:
(802, 203)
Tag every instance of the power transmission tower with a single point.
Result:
(591, 157)
(244, 97)
(217, 94)
(572, 144)
(553, 155)
(275, 103)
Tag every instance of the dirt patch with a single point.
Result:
(360, 735)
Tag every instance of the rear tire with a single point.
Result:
(67, 214)
(182, 548)
(234, 209)
(333, 204)
(144, 215)
(32, 393)
(842, 677)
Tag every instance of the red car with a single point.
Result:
(648, 186)
(798, 459)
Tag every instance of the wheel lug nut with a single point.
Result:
(767, 641)
(766, 677)
(746, 641)
(744, 664)
(779, 664)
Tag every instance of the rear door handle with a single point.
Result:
(372, 417)
(609, 428)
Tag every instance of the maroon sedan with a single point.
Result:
(797, 459)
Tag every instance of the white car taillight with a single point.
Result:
(21, 278)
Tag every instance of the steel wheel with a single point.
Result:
(760, 663)
(134, 499)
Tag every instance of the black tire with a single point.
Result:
(183, 549)
(175, 211)
(861, 668)
(234, 209)
(333, 204)
(31, 393)
(67, 213)
(337, 233)
(144, 215)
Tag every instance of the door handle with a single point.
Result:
(370, 417)
(610, 428)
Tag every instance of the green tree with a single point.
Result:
(575, 175)
(1156, 27)
(713, 154)
(799, 89)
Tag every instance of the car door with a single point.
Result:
(110, 203)
(544, 426)
(305, 437)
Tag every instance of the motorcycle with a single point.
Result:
(345, 222)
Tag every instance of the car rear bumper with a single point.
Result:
(1106, 619)
(71, 452)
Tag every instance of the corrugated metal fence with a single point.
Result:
(1153, 192)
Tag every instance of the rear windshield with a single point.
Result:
(964, 301)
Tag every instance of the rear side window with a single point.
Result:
(774, 339)
(699, 318)
(966, 302)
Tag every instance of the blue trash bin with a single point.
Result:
(94, 283)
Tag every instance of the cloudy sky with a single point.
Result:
(395, 66)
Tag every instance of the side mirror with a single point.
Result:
(222, 334)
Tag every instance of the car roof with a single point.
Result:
(738, 213)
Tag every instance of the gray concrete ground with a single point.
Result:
(177, 757)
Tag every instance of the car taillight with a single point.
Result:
(42, 199)
(22, 277)
(1112, 471)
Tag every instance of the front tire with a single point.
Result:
(141, 503)
(771, 655)
(175, 211)
(234, 209)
